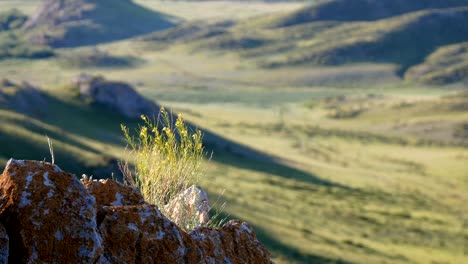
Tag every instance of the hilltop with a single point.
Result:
(67, 23)
(360, 10)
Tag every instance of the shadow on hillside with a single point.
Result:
(264, 163)
(66, 121)
(280, 249)
(61, 121)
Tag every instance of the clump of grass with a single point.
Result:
(167, 158)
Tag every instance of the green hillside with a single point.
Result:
(404, 40)
(13, 44)
(360, 10)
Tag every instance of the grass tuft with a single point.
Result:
(167, 158)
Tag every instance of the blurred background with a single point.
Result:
(338, 128)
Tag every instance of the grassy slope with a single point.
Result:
(386, 185)
(359, 10)
(12, 41)
(404, 40)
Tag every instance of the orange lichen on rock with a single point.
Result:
(49, 215)
(112, 193)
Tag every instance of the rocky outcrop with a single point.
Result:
(51, 217)
(118, 96)
(192, 202)
(48, 214)
(141, 234)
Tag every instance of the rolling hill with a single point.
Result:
(66, 23)
(360, 10)
(404, 40)
(448, 64)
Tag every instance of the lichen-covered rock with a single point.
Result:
(111, 193)
(190, 208)
(4, 245)
(141, 234)
(49, 215)
(234, 243)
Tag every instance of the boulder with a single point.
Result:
(49, 215)
(141, 234)
(190, 208)
(111, 193)
(117, 96)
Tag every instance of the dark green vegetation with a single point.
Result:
(332, 156)
(72, 23)
(12, 41)
(12, 19)
(14, 45)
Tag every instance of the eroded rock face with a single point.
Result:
(49, 215)
(4, 245)
(118, 96)
(192, 202)
(111, 193)
(141, 234)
